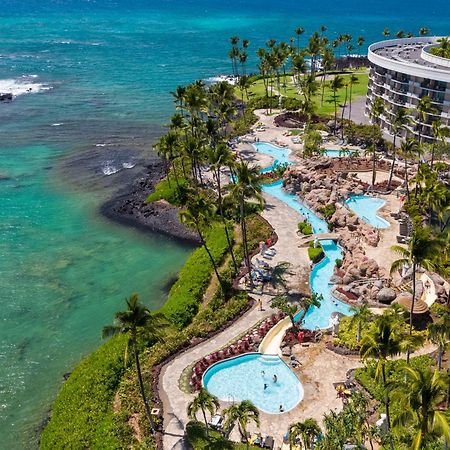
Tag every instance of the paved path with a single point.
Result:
(284, 220)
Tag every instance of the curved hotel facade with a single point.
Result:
(402, 71)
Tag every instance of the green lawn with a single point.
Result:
(327, 107)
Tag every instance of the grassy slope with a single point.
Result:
(327, 108)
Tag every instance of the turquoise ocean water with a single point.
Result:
(100, 73)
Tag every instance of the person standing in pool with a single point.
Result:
(275, 378)
(281, 409)
(265, 386)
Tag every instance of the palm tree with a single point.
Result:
(423, 108)
(247, 186)
(204, 401)
(328, 61)
(290, 309)
(386, 32)
(361, 317)
(439, 333)
(306, 303)
(352, 81)
(360, 41)
(400, 34)
(424, 31)
(418, 253)
(375, 112)
(343, 109)
(440, 132)
(408, 149)
(198, 215)
(383, 340)
(299, 31)
(219, 157)
(399, 122)
(419, 401)
(242, 414)
(129, 322)
(234, 54)
(307, 430)
(335, 84)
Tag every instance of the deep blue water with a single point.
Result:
(100, 74)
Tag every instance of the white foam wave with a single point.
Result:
(23, 85)
(109, 168)
(128, 165)
(56, 124)
(217, 79)
(100, 145)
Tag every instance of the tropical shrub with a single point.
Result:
(305, 228)
(315, 253)
(328, 210)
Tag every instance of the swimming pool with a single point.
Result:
(338, 153)
(366, 208)
(279, 154)
(244, 378)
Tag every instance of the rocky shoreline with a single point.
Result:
(128, 207)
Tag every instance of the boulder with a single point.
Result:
(386, 295)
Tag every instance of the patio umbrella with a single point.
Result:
(420, 307)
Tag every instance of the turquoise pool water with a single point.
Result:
(337, 153)
(244, 377)
(321, 272)
(366, 208)
(279, 154)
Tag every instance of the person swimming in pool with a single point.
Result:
(265, 386)
(281, 409)
(275, 378)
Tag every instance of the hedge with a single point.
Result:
(82, 415)
(187, 292)
(305, 228)
(315, 253)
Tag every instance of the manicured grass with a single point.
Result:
(315, 253)
(327, 107)
(305, 228)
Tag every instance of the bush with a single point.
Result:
(82, 415)
(347, 334)
(315, 253)
(305, 228)
(312, 143)
(338, 263)
(290, 103)
(198, 440)
(328, 210)
(187, 292)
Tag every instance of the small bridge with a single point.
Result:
(323, 236)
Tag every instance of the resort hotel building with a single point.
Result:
(402, 71)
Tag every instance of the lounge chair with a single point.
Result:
(268, 442)
(216, 422)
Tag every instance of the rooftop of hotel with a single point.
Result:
(410, 53)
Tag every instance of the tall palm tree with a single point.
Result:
(306, 303)
(327, 63)
(198, 215)
(307, 430)
(335, 84)
(424, 31)
(246, 186)
(384, 340)
(204, 401)
(352, 81)
(418, 253)
(299, 31)
(440, 132)
(242, 414)
(423, 108)
(343, 108)
(400, 34)
(290, 309)
(221, 156)
(128, 322)
(419, 401)
(360, 41)
(408, 149)
(399, 122)
(386, 32)
(361, 317)
(439, 333)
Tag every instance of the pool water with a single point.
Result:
(338, 153)
(244, 377)
(366, 208)
(279, 154)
